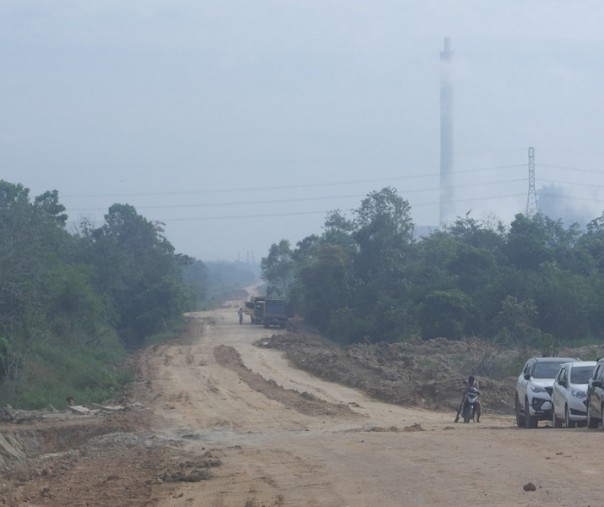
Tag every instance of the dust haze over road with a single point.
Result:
(273, 435)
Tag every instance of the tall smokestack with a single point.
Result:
(446, 133)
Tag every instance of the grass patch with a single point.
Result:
(89, 373)
(52, 373)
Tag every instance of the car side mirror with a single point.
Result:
(527, 376)
(596, 383)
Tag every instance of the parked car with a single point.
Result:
(569, 395)
(534, 388)
(595, 396)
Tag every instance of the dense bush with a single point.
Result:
(71, 304)
(367, 278)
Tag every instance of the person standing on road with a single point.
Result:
(240, 313)
(472, 383)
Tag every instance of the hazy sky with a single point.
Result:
(241, 123)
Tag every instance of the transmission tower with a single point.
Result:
(531, 199)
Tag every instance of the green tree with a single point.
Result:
(197, 278)
(446, 314)
(367, 279)
(137, 271)
(32, 246)
(515, 322)
(278, 268)
(591, 247)
(565, 302)
(325, 284)
(383, 231)
(464, 257)
(527, 245)
(76, 311)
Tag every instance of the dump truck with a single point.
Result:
(276, 313)
(255, 309)
(270, 312)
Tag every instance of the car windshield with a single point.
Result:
(546, 370)
(581, 374)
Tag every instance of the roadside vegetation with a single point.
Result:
(73, 304)
(367, 278)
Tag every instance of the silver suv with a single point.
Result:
(534, 389)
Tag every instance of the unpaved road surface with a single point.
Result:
(226, 423)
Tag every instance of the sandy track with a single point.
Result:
(275, 453)
(251, 431)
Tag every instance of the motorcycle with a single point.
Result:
(470, 399)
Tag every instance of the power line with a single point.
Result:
(325, 212)
(247, 215)
(302, 199)
(334, 197)
(570, 183)
(595, 171)
(295, 213)
(294, 186)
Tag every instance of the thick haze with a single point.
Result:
(238, 124)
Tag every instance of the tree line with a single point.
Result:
(367, 278)
(72, 302)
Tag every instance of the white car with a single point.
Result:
(534, 388)
(569, 395)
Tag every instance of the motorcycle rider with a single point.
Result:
(472, 383)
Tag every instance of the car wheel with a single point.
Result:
(568, 422)
(529, 420)
(519, 416)
(556, 421)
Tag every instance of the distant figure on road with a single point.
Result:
(240, 313)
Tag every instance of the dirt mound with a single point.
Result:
(427, 374)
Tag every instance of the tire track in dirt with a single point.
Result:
(305, 403)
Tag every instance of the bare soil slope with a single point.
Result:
(427, 374)
(218, 421)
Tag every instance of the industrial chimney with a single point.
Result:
(446, 133)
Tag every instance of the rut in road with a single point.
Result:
(305, 402)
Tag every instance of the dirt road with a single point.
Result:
(266, 434)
